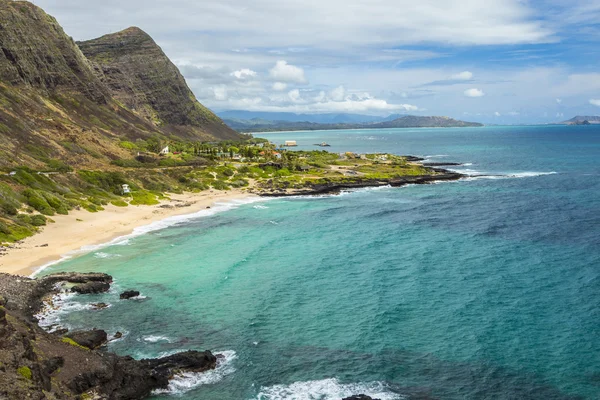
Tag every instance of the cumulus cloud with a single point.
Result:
(474, 92)
(220, 93)
(595, 102)
(337, 94)
(497, 114)
(558, 101)
(244, 73)
(284, 72)
(279, 86)
(294, 95)
(462, 76)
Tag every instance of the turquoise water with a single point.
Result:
(483, 288)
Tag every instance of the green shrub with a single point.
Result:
(24, 219)
(143, 197)
(9, 208)
(59, 166)
(38, 220)
(38, 202)
(119, 203)
(25, 372)
(220, 185)
(127, 145)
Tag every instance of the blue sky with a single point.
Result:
(494, 61)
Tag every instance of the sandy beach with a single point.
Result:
(80, 228)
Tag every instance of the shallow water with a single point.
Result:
(483, 288)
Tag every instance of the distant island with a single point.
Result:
(407, 121)
(582, 120)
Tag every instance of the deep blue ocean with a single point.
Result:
(486, 288)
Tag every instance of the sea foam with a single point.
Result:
(186, 381)
(325, 389)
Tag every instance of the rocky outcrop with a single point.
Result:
(35, 364)
(128, 294)
(359, 397)
(140, 76)
(358, 183)
(91, 287)
(92, 339)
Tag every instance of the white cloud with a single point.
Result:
(337, 94)
(284, 72)
(497, 114)
(220, 93)
(595, 102)
(244, 73)
(294, 95)
(514, 113)
(474, 92)
(279, 86)
(462, 76)
(558, 101)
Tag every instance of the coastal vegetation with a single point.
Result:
(29, 198)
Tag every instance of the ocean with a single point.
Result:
(485, 288)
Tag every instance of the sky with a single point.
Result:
(491, 61)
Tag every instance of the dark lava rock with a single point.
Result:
(191, 361)
(129, 294)
(90, 339)
(118, 335)
(359, 397)
(99, 306)
(91, 287)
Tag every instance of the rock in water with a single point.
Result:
(128, 294)
(90, 339)
(359, 397)
(91, 287)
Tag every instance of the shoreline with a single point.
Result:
(81, 231)
(73, 233)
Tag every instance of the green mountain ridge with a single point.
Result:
(56, 104)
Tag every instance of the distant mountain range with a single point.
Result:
(393, 121)
(582, 120)
(330, 118)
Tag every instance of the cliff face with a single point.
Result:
(56, 104)
(36, 52)
(140, 76)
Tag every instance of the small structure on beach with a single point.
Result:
(125, 189)
(290, 143)
(165, 151)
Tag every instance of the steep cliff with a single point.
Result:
(36, 52)
(56, 105)
(141, 76)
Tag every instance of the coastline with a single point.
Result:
(80, 229)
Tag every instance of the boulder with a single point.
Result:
(99, 306)
(91, 287)
(128, 294)
(90, 339)
(359, 397)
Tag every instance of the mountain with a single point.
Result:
(56, 104)
(412, 121)
(330, 118)
(581, 119)
(408, 121)
(140, 76)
